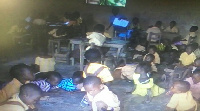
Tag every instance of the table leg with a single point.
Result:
(81, 47)
(118, 52)
(72, 59)
(58, 48)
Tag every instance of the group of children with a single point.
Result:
(28, 83)
(26, 87)
(96, 79)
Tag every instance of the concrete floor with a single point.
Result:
(60, 100)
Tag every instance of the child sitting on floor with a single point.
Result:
(72, 84)
(191, 36)
(190, 70)
(150, 58)
(29, 94)
(186, 61)
(152, 50)
(100, 97)
(127, 71)
(195, 84)
(52, 80)
(182, 99)
(94, 67)
(144, 83)
(45, 62)
(21, 74)
(187, 58)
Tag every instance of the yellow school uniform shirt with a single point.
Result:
(45, 64)
(182, 102)
(9, 90)
(172, 30)
(104, 75)
(187, 59)
(11, 107)
(141, 89)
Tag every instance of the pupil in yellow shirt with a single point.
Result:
(94, 67)
(29, 94)
(21, 74)
(182, 99)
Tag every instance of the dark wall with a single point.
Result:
(185, 12)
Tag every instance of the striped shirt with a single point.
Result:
(67, 84)
(43, 84)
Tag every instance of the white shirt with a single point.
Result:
(45, 64)
(106, 96)
(97, 38)
(153, 30)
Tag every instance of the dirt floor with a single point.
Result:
(60, 100)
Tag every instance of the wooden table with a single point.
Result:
(119, 44)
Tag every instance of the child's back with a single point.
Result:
(46, 63)
(97, 36)
(95, 68)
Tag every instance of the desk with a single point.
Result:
(54, 45)
(119, 44)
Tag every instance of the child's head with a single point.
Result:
(189, 49)
(143, 68)
(149, 58)
(54, 78)
(22, 73)
(92, 85)
(197, 62)
(194, 28)
(77, 77)
(93, 55)
(99, 28)
(158, 24)
(30, 93)
(172, 24)
(196, 77)
(152, 49)
(115, 11)
(180, 87)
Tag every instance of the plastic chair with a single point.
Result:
(154, 38)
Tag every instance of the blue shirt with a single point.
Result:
(68, 85)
